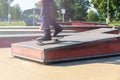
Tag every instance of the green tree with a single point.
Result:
(80, 8)
(3, 8)
(92, 16)
(37, 5)
(66, 4)
(75, 9)
(16, 12)
(101, 6)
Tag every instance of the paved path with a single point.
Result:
(97, 69)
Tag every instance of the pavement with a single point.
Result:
(94, 69)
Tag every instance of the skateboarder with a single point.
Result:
(48, 20)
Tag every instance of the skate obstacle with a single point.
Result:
(93, 43)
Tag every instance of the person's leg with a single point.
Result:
(44, 17)
(56, 26)
(52, 20)
(47, 33)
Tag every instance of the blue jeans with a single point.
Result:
(45, 16)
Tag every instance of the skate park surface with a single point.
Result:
(107, 68)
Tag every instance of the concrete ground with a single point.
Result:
(96, 69)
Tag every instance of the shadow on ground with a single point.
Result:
(106, 60)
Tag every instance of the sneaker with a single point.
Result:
(58, 30)
(44, 38)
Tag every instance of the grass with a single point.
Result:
(23, 24)
(115, 23)
(12, 24)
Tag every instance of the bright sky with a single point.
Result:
(25, 4)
